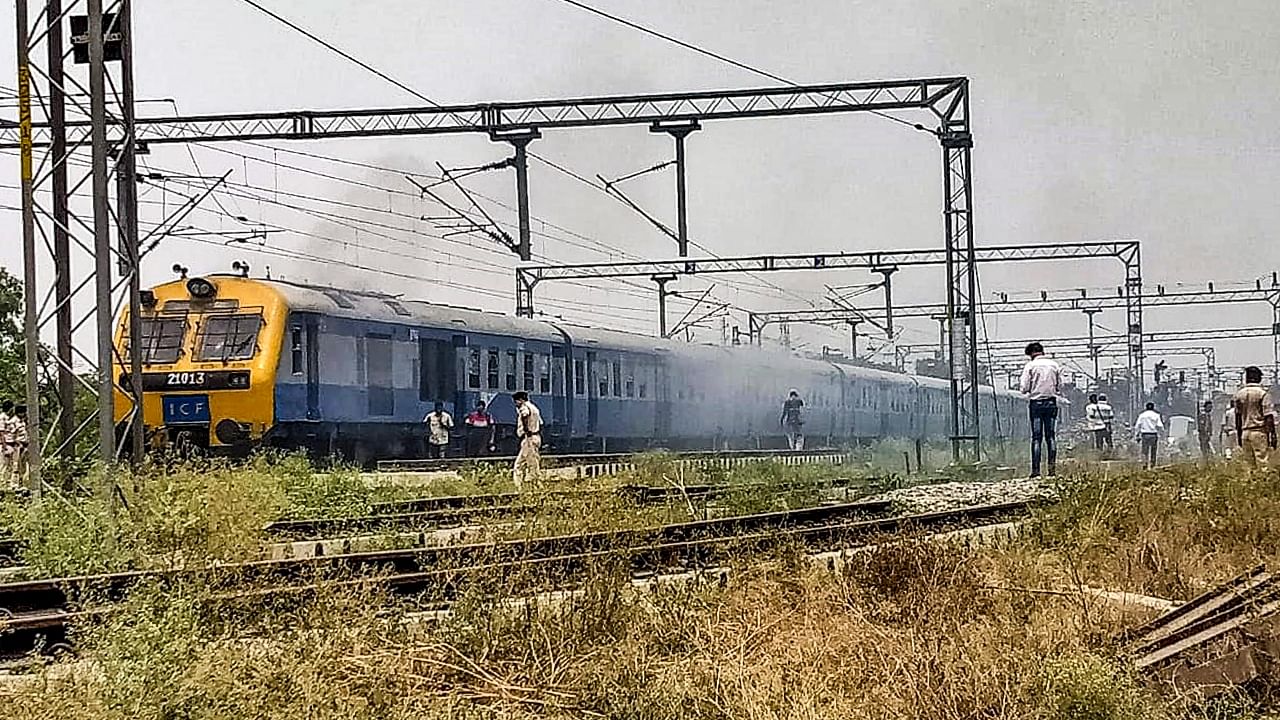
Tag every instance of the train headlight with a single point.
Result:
(201, 289)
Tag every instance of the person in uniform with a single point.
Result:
(6, 440)
(480, 431)
(1041, 382)
(1227, 433)
(1255, 420)
(438, 423)
(793, 420)
(529, 430)
(18, 433)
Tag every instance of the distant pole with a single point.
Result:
(662, 281)
(1093, 347)
(31, 315)
(679, 131)
(519, 139)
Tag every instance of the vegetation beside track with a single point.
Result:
(910, 631)
(192, 513)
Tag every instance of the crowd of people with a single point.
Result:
(480, 435)
(1248, 426)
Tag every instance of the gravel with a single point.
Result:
(954, 495)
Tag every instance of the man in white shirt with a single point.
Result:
(439, 423)
(529, 430)
(1147, 429)
(1093, 422)
(1108, 416)
(1042, 383)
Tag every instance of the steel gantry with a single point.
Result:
(1081, 302)
(102, 41)
(943, 102)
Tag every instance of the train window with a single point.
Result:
(617, 379)
(602, 378)
(510, 367)
(473, 368)
(631, 384)
(228, 337)
(295, 350)
(527, 378)
(579, 378)
(493, 370)
(544, 373)
(644, 389)
(162, 339)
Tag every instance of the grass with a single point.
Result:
(913, 630)
(917, 630)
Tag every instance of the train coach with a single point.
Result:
(232, 363)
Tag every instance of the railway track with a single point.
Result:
(600, 464)
(38, 614)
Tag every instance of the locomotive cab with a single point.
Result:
(208, 350)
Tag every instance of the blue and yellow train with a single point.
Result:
(233, 363)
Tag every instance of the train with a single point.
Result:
(233, 363)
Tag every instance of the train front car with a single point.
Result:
(209, 351)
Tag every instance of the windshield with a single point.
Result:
(161, 339)
(228, 337)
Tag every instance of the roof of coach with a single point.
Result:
(372, 305)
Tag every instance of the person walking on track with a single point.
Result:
(793, 420)
(1147, 429)
(1042, 384)
(529, 429)
(1255, 421)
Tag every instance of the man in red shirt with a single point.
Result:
(479, 431)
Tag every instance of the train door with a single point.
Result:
(312, 329)
(380, 375)
(438, 370)
(662, 396)
(561, 392)
(593, 397)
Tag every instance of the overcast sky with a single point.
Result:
(1145, 119)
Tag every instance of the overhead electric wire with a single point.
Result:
(717, 56)
(333, 48)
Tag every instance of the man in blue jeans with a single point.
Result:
(1042, 383)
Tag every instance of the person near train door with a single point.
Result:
(1041, 382)
(480, 431)
(528, 464)
(1255, 421)
(793, 420)
(1147, 429)
(439, 424)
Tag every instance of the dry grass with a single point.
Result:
(909, 631)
